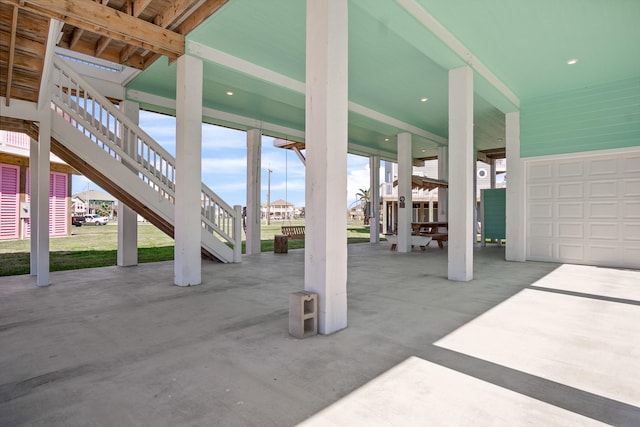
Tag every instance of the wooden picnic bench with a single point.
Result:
(438, 231)
(295, 232)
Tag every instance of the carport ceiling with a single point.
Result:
(399, 52)
(395, 60)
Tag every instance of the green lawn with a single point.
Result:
(95, 246)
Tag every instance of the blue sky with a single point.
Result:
(224, 164)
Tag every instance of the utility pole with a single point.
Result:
(269, 171)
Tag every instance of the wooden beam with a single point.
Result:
(176, 9)
(139, 6)
(194, 19)
(84, 46)
(12, 52)
(108, 22)
(75, 37)
(482, 157)
(101, 45)
(197, 17)
(126, 53)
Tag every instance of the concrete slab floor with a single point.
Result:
(122, 346)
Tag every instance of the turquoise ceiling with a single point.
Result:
(394, 61)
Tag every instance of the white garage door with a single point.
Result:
(585, 209)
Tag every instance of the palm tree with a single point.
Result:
(364, 197)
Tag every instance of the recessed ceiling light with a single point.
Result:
(424, 99)
(386, 139)
(424, 151)
(500, 139)
(572, 61)
(229, 93)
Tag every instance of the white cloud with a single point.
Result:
(356, 180)
(217, 165)
(218, 138)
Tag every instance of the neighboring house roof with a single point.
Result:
(278, 202)
(89, 195)
(424, 183)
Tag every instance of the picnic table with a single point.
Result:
(438, 231)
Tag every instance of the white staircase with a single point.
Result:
(91, 134)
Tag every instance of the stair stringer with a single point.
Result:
(146, 198)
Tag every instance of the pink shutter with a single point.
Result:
(9, 201)
(58, 204)
(58, 209)
(27, 221)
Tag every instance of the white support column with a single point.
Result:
(443, 174)
(460, 256)
(515, 208)
(187, 264)
(254, 155)
(325, 260)
(492, 171)
(374, 196)
(127, 254)
(430, 209)
(405, 201)
(33, 201)
(43, 188)
(385, 220)
(474, 199)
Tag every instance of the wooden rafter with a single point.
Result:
(174, 12)
(83, 46)
(139, 6)
(197, 17)
(130, 8)
(101, 45)
(75, 37)
(108, 22)
(77, 32)
(12, 53)
(191, 22)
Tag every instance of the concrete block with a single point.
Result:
(280, 244)
(303, 314)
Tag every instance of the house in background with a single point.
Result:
(15, 190)
(279, 209)
(92, 201)
(425, 199)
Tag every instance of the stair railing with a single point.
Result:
(97, 118)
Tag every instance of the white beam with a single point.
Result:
(219, 57)
(515, 208)
(374, 199)
(326, 120)
(187, 264)
(461, 230)
(19, 109)
(34, 165)
(391, 121)
(44, 96)
(246, 123)
(127, 253)
(405, 200)
(44, 149)
(254, 169)
(437, 29)
(253, 70)
(443, 175)
(492, 177)
(243, 122)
